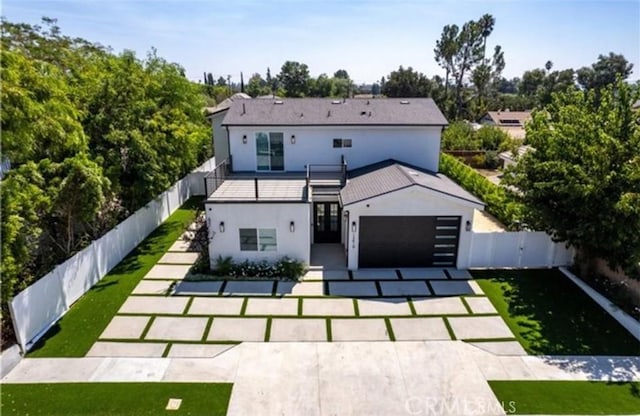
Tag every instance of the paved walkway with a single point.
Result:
(360, 378)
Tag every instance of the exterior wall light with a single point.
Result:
(292, 226)
(353, 226)
(221, 226)
(293, 139)
(468, 226)
(244, 139)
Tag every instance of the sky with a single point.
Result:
(368, 38)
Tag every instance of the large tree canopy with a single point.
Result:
(91, 137)
(582, 182)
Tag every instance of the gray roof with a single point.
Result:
(323, 111)
(389, 176)
(226, 103)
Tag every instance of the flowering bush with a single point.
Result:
(283, 268)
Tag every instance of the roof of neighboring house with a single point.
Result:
(389, 176)
(508, 118)
(636, 104)
(226, 103)
(323, 111)
(508, 155)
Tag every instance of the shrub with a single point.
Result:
(499, 203)
(459, 136)
(491, 159)
(285, 268)
(491, 137)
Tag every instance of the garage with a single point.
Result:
(408, 241)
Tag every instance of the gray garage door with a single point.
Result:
(408, 241)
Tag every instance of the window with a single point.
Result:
(269, 151)
(337, 143)
(262, 239)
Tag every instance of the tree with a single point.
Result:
(582, 182)
(294, 78)
(342, 74)
(548, 65)
(221, 82)
(486, 24)
(486, 77)
(459, 135)
(241, 82)
(257, 86)
(406, 83)
(375, 89)
(445, 50)
(531, 81)
(604, 71)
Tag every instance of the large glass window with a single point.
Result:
(270, 151)
(263, 239)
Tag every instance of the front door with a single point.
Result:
(326, 227)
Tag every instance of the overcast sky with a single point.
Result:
(368, 38)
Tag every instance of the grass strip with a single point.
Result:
(80, 327)
(568, 397)
(549, 314)
(123, 399)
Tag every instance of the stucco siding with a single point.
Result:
(277, 216)
(419, 146)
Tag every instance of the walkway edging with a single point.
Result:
(623, 318)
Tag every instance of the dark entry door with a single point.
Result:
(412, 241)
(326, 227)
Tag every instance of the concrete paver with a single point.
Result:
(375, 274)
(480, 305)
(480, 327)
(327, 307)
(168, 271)
(179, 258)
(130, 369)
(459, 274)
(247, 287)
(372, 329)
(383, 307)
(416, 329)
(439, 306)
(304, 289)
(215, 306)
(353, 289)
(154, 304)
(181, 246)
(501, 348)
(404, 288)
(302, 329)
(326, 275)
(125, 327)
(198, 350)
(451, 288)
(152, 287)
(272, 306)
(422, 273)
(238, 329)
(127, 349)
(198, 288)
(177, 328)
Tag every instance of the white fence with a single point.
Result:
(39, 306)
(517, 249)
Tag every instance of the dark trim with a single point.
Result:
(339, 124)
(228, 201)
(228, 148)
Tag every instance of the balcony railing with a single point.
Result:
(327, 174)
(216, 177)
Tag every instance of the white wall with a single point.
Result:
(220, 142)
(517, 249)
(419, 146)
(414, 201)
(296, 245)
(40, 305)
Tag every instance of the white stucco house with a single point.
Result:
(361, 174)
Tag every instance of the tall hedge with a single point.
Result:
(499, 202)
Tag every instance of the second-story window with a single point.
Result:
(337, 143)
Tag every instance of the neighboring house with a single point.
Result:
(509, 158)
(357, 173)
(511, 122)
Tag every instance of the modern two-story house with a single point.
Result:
(361, 174)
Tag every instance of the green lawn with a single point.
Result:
(75, 333)
(568, 397)
(549, 314)
(121, 399)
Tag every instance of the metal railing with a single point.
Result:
(327, 172)
(216, 177)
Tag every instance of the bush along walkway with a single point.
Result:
(76, 332)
